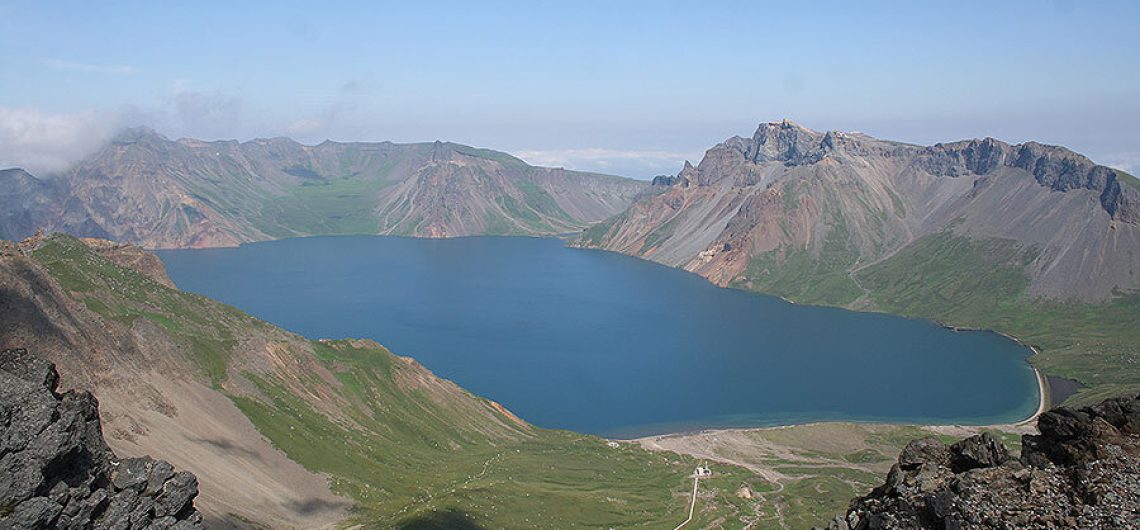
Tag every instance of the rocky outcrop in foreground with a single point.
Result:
(56, 470)
(1082, 471)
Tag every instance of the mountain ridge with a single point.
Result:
(748, 193)
(146, 189)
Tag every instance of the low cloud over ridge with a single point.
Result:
(43, 142)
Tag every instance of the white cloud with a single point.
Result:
(1128, 162)
(44, 142)
(558, 156)
(635, 163)
(71, 66)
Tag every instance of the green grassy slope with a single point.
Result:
(412, 450)
(121, 295)
(795, 274)
(980, 283)
(411, 468)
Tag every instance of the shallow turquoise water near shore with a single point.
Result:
(608, 344)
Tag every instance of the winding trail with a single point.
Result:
(693, 504)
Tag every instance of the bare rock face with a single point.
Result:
(1082, 471)
(1053, 167)
(56, 471)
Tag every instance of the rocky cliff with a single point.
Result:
(1081, 471)
(59, 473)
(145, 189)
(800, 213)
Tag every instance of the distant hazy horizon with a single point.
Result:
(630, 88)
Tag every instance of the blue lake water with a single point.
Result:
(608, 344)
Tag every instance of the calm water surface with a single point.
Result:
(608, 344)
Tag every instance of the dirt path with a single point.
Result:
(693, 504)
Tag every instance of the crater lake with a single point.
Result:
(607, 344)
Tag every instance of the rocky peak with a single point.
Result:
(16, 181)
(689, 175)
(1082, 471)
(58, 471)
(965, 157)
(442, 152)
(139, 135)
(15, 174)
(794, 144)
(784, 142)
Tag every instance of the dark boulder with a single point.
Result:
(921, 451)
(1082, 471)
(56, 470)
(978, 451)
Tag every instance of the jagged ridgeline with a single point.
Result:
(1032, 240)
(282, 431)
(146, 189)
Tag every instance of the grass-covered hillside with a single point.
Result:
(409, 449)
(973, 282)
(981, 283)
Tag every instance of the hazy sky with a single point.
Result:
(627, 87)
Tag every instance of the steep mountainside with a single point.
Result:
(148, 190)
(1033, 240)
(286, 432)
(833, 203)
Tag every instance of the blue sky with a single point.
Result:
(627, 87)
